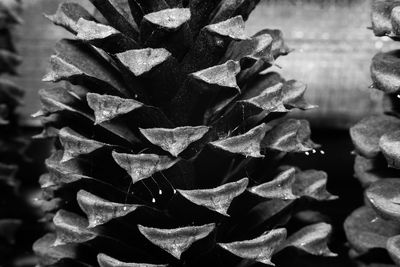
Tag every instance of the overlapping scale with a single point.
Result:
(374, 228)
(166, 111)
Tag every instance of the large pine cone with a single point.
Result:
(169, 138)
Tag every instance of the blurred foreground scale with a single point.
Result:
(169, 131)
(376, 226)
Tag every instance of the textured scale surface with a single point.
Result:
(169, 131)
(375, 226)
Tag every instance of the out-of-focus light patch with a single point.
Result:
(28, 3)
(298, 34)
(378, 45)
(325, 36)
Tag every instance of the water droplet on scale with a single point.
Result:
(97, 220)
(219, 42)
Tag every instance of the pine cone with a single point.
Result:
(373, 231)
(169, 137)
(13, 205)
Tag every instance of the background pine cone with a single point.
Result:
(373, 231)
(17, 220)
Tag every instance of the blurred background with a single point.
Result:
(331, 42)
